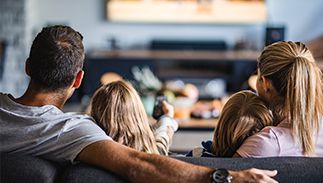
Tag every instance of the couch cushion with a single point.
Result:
(290, 169)
(83, 173)
(20, 169)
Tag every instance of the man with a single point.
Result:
(33, 124)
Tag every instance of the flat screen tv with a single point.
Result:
(187, 11)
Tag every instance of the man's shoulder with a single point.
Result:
(76, 116)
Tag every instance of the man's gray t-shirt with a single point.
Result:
(45, 131)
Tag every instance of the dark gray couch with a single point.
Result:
(22, 169)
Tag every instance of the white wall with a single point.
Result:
(302, 19)
(13, 31)
(88, 17)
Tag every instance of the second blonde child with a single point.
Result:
(243, 115)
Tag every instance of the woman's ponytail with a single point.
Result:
(301, 103)
(298, 81)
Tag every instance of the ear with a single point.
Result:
(266, 84)
(78, 79)
(27, 67)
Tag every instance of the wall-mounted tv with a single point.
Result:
(187, 11)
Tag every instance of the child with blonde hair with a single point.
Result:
(118, 110)
(243, 115)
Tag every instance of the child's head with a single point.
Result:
(118, 110)
(243, 115)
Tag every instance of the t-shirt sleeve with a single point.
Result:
(74, 137)
(162, 139)
(262, 144)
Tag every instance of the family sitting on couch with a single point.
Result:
(284, 120)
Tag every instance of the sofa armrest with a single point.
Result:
(21, 169)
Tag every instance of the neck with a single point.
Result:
(278, 110)
(33, 97)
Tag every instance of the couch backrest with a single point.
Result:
(290, 169)
(22, 169)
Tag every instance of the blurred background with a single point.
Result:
(195, 52)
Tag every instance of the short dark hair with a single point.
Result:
(56, 56)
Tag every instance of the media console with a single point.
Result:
(234, 67)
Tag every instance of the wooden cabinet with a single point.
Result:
(234, 67)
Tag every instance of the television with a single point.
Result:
(187, 11)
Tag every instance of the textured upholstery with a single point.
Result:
(30, 169)
(290, 169)
(83, 173)
(20, 169)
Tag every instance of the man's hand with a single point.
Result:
(253, 175)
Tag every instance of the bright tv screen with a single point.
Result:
(187, 11)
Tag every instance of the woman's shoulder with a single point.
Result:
(263, 143)
(273, 134)
(266, 135)
(283, 129)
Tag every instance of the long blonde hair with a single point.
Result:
(298, 81)
(243, 115)
(118, 110)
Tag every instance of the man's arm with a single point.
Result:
(142, 167)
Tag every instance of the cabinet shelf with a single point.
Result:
(176, 55)
(233, 66)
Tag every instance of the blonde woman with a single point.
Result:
(118, 110)
(243, 115)
(291, 83)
